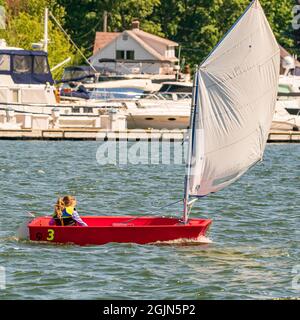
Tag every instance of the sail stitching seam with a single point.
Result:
(241, 108)
(244, 137)
(218, 82)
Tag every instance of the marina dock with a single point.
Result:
(129, 135)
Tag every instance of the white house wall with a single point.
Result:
(129, 68)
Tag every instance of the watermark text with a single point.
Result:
(296, 17)
(2, 278)
(296, 278)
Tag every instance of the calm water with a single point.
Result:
(255, 232)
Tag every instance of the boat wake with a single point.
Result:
(23, 231)
(201, 240)
(8, 239)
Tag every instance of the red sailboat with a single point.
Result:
(234, 97)
(122, 229)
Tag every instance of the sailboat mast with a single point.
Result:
(46, 40)
(190, 149)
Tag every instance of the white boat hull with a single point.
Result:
(157, 122)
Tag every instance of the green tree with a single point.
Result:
(25, 26)
(198, 25)
(280, 16)
(123, 12)
(84, 18)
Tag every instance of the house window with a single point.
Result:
(125, 55)
(120, 54)
(125, 37)
(130, 55)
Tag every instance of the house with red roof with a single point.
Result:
(134, 51)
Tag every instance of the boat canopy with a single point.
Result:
(25, 66)
(87, 74)
(78, 73)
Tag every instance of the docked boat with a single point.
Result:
(287, 111)
(168, 108)
(287, 115)
(29, 97)
(25, 77)
(159, 111)
(107, 88)
(176, 87)
(234, 96)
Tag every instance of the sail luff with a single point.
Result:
(190, 148)
(225, 35)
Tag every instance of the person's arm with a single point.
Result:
(76, 217)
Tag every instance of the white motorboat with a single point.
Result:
(25, 77)
(287, 111)
(287, 115)
(158, 112)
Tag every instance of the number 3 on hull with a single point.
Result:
(50, 235)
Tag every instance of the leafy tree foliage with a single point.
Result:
(197, 25)
(25, 26)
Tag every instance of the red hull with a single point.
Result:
(123, 229)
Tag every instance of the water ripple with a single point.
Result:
(255, 233)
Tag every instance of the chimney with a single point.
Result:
(135, 24)
(105, 21)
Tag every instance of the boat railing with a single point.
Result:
(105, 95)
(288, 95)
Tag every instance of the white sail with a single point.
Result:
(236, 89)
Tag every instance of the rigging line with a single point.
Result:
(165, 206)
(69, 38)
(92, 30)
(156, 211)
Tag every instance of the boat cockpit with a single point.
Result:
(25, 66)
(25, 77)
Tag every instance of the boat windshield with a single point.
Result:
(75, 74)
(4, 62)
(116, 93)
(40, 65)
(22, 64)
(176, 88)
(168, 96)
(26, 67)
